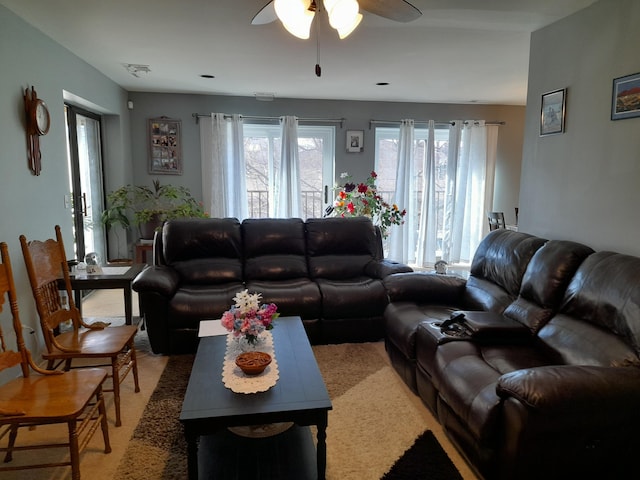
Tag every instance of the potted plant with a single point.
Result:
(148, 207)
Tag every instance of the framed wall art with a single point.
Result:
(552, 112)
(165, 147)
(625, 100)
(355, 139)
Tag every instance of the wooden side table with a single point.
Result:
(142, 252)
(110, 278)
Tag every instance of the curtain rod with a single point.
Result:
(197, 116)
(437, 122)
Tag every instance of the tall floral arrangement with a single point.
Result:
(248, 318)
(363, 200)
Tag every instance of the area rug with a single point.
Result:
(375, 427)
(425, 459)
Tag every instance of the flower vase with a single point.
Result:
(243, 345)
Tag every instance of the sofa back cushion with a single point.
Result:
(340, 248)
(599, 320)
(274, 249)
(498, 267)
(545, 281)
(203, 250)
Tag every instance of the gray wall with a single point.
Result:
(583, 185)
(357, 116)
(32, 205)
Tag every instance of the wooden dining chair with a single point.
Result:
(48, 397)
(48, 272)
(496, 220)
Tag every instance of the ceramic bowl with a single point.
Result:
(253, 363)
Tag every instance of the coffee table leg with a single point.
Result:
(192, 455)
(321, 448)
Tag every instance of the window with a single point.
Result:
(316, 147)
(386, 160)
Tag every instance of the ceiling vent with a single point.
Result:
(137, 71)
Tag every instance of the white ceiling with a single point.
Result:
(459, 51)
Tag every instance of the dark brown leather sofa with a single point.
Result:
(552, 390)
(328, 271)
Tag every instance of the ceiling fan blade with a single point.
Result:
(267, 14)
(398, 10)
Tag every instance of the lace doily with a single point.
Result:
(235, 379)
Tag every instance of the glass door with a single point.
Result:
(85, 169)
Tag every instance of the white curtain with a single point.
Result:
(475, 175)
(468, 194)
(288, 202)
(451, 221)
(402, 238)
(223, 166)
(428, 226)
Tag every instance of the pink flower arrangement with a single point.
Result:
(248, 317)
(363, 200)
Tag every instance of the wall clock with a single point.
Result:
(38, 123)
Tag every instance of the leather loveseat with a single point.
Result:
(551, 389)
(328, 271)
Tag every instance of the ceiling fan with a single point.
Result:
(297, 15)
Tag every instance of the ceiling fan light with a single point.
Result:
(301, 28)
(345, 32)
(289, 10)
(295, 16)
(343, 13)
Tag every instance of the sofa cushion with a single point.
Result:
(498, 267)
(274, 249)
(193, 303)
(295, 297)
(483, 294)
(581, 343)
(402, 320)
(598, 321)
(203, 250)
(544, 282)
(208, 271)
(605, 292)
(276, 265)
(466, 375)
(340, 248)
(357, 297)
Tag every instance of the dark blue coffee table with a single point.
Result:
(299, 396)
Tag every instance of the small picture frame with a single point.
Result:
(165, 146)
(625, 99)
(355, 139)
(552, 112)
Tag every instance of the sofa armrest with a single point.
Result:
(574, 421)
(158, 279)
(383, 268)
(578, 390)
(425, 288)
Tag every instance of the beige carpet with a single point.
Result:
(375, 417)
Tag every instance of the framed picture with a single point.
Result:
(355, 139)
(165, 147)
(552, 112)
(625, 100)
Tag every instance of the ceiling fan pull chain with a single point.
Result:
(318, 68)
